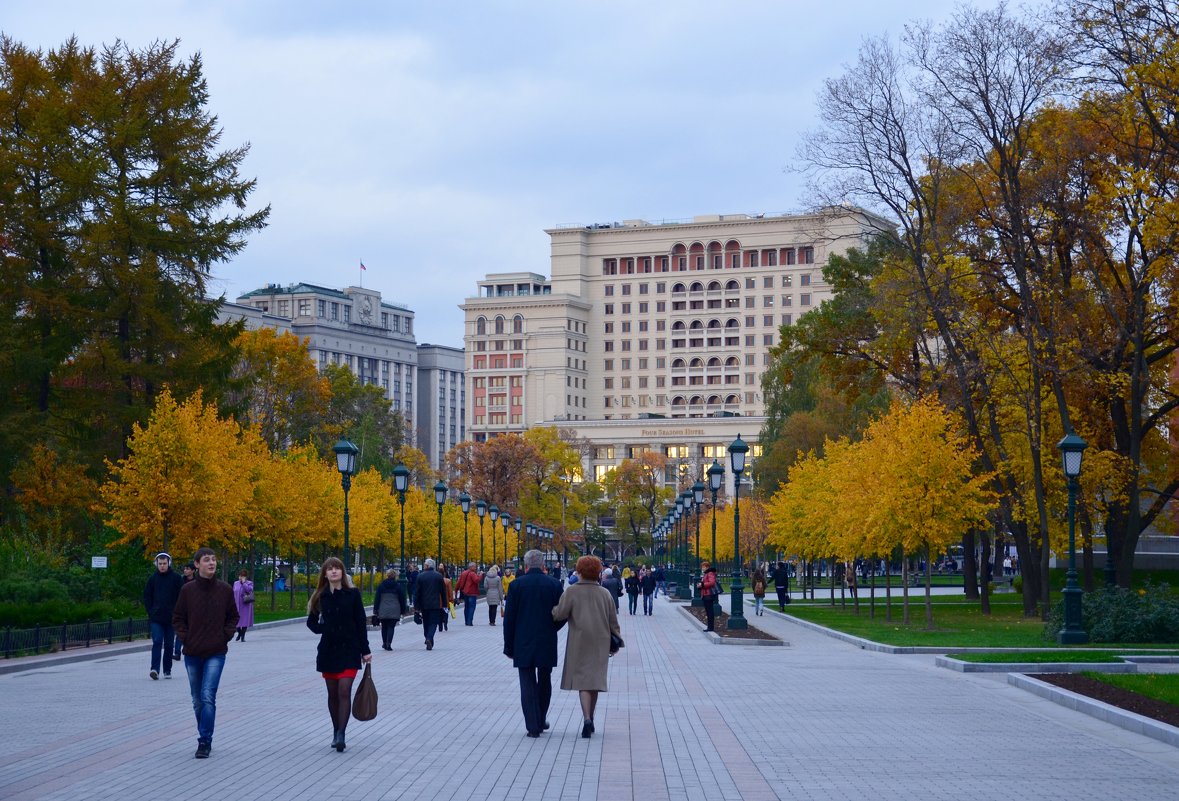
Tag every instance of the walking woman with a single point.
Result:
(589, 610)
(709, 592)
(336, 613)
(243, 597)
(388, 607)
(494, 593)
(759, 591)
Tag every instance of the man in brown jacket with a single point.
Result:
(205, 619)
(468, 589)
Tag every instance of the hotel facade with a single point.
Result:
(649, 336)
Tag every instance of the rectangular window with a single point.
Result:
(770, 258)
(660, 288)
(787, 300)
(786, 319)
(335, 311)
(767, 282)
(735, 261)
(750, 339)
(608, 364)
(609, 290)
(624, 364)
(767, 320)
(643, 325)
(609, 345)
(752, 258)
(804, 279)
(626, 289)
(626, 308)
(608, 383)
(767, 339)
(788, 255)
(626, 326)
(626, 344)
(321, 308)
(750, 321)
(663, 264)
(804, 299)
(750, 302)
(608, 309)
(806, 255)
(644, 287)
(305, 308)
(716, 261)
(660, 306)
(642, 382)
(347, 314)
(660, 381)
(284, 308)
(644, 307)
(661, 325)
(642, 344)
(767, 301)
(608, 327)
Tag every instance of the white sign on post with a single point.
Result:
(98, 561)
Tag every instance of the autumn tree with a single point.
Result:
(363, 414)
(56, 500)
(278, 389)
(637, 496)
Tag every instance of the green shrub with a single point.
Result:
(1017, 584)
(1112, 614)
(56, 612)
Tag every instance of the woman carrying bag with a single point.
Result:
(388, 606)
(336, 613)
(593, 638)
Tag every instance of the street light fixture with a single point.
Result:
(533, 533)
(698, 500)
(737, 451)
(480, 510)
(440, 498)
(518, 524)
(716, 475)
(346, 463)
(465, 505)
(401, 484)
(1072, 448)
(505, 520)
(688, 499)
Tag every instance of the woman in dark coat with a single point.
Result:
(336, 613)
(388, 607)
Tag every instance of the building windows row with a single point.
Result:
(500, 325)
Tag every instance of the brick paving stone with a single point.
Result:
(684, 721)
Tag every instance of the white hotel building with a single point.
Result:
(649, 336)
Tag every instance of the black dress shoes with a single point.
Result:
(587, 728)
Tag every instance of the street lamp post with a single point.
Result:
(401, 484)
(465, 505)
(505, 520)
(533, 533)
(346, 463)
(698, 499)
(716, 475)
(440, 498)
(480, 510)
(687, 497)
(518, 524)
(1072, 448)
(737, 451)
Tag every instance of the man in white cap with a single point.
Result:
(159, 599)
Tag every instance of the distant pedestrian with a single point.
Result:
(388, 607)
(448, 607)
(530, 639)
(243, 597)
(205, 619)
(631, 583)
(759, 591)
(430, 600)
(647, 585)
(467, 589)
(613, 585)
(781, 579)
(493, 593)
(336, 613)
(660, 581)
(709, 593)
(159, 599)
(411, 577)
(592, 616)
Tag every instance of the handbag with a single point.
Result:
(364, 704)
(417, 618)
(452, 612)
(615, 643)
(247, 595)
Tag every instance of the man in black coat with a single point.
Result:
(530, 638)
(782, 585)
(159, 598)
(429, 598)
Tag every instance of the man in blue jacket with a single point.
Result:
(530, 638)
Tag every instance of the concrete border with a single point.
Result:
(716, 639)
(963, 666)
(1123, 719)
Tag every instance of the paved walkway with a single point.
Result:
(684, 719)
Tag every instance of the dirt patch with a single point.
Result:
(722, 626)
(1114, 696)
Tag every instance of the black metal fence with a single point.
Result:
(49, 639)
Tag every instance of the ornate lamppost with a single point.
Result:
(440, 498)
(493, 512)
(688, 499)
(737, 451)
(480, 510)
(401, 484)
(346, 463)
(465, 505)
(519, 524)
(698, 500)
(505, 520)
(1072, 447)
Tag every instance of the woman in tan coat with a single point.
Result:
(589, 610)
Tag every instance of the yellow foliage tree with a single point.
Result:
(57, 499)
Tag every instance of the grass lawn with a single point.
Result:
(282, 610)
(1041, 656)
(1161, 686)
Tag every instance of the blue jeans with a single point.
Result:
(162, 639)
(648, 603)
(660, 585)
(469, 602)
(204, 674)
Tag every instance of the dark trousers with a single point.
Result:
(388, 629)
(632, 601)
(710, 611)
(469, 602)
(536, 690)
(431, 618)
(782, 599)
(491, 610)
(648, 603)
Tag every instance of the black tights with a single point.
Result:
(339, 692)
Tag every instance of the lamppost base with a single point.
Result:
(737, 621)
(1072, 637)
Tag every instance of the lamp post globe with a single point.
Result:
(1072, 448)
(440, 498)
(737, 452)
(465, 505)
(346, 454)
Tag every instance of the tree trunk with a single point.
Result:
(970, 566)
(985, 595)
(928, 589)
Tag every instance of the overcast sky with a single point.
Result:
(437, 140)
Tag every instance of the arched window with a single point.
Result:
(678, 400)
(732, 399)
(714, 324)
(678, 325)
(713, 400)
(517, 324)
(714, 362)
(677, 364)
(732, 323)
(732, 361)
(732, 285)
(695, 400)
(697, 325)
(714, 286)
(481, 326)
(677, 287)
(697, 362)
(696, 287)
(499, 325)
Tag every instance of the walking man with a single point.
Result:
(429, 598)
(159, 599)
(782, 585)
(660, 581)
(468, 588)
(205, 619)
(647, 583)
(530, 638)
